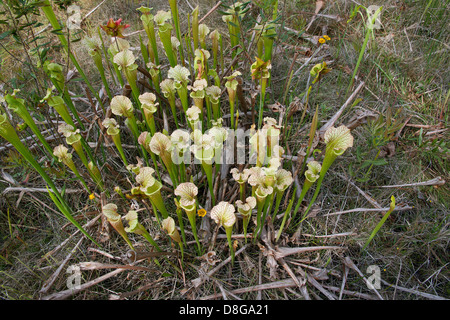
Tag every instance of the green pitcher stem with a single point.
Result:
(58, 104)
(215, 51)
(101, 70)
(260, 47)
(306, 186)
(268, 45)
(176, 22)
(127, 240)
(155, 213)
(286, 214)
(208, 171)
(277, 203)
(215, 110)
(79, 150)
(150, 122)
(261, 101)
(182, 251)
(232, 113)
(195, 27)
(142, 231)
(155, 163)
(260, 205)
(144, 51)
(167, 44)
(156, 81)
(183, 94)
(150, 30)
(95, 174)
(68, 101)
(157, 200)
(180, 221)
(131, 78)
(133, 127)
(267, 206)
(242, 191)
(245, 221)
(222, 65)
(118, 144)
(327, 162)
(74, 169)
(191, 216)
(120, 230)
(174, 111)
(168, 163)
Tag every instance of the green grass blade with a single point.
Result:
(381, 223)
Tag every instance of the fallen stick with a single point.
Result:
(438, 181)
(303, 65)
(319, 5)
(349, 263)
(313, 39)
(198, 281)
(368, 198)
(283, 252)
(335, 235)
(93, 10)
(397, 208)
(124, 295)
(344, 281)
(351, 293)
(419, 293)
(48, 284)
(319, 287)
(48, 138)
(62, 295)
(92, 265)
(334, 118)
(281, 284)
(275, 257)
(210, 11)
(300, 283)
(86, 226)
(23, 189)
(310, 279)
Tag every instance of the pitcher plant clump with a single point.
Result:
(186, 99)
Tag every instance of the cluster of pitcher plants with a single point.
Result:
(180, 123)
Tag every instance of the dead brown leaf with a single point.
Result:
(276, 107)
(359, 118)
(388, 150)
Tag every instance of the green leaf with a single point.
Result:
(63, 190)
(224, 13)
(382, 221)
(378, 162)
(358, 154)
(420, 137)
